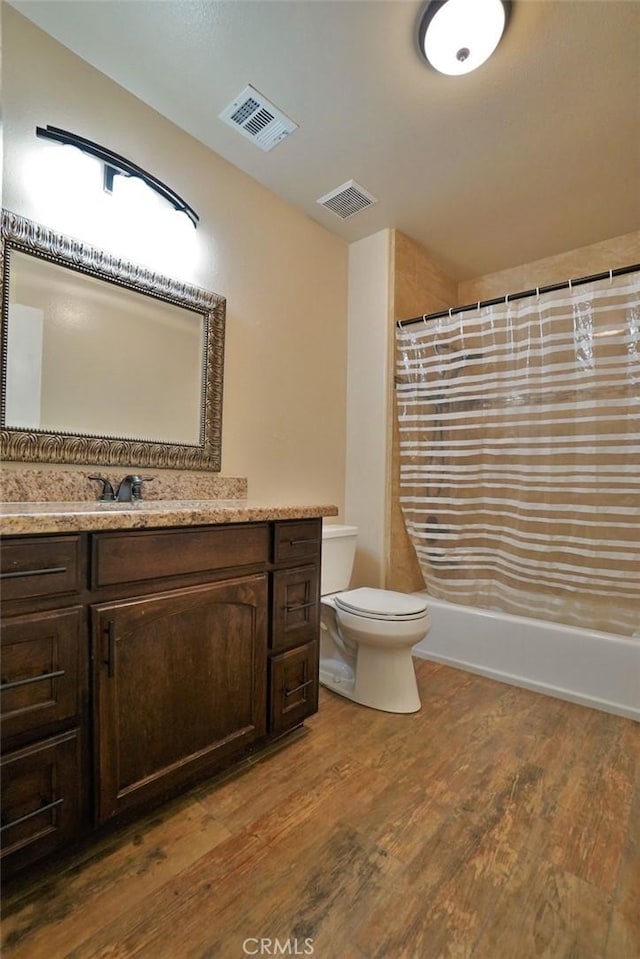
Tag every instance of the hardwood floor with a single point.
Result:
(494, 824)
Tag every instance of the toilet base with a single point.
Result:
(385, 679)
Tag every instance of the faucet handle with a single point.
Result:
(136, 485)
(108, 494)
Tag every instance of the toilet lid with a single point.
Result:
(381, 603)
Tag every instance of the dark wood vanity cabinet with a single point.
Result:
(138, 662)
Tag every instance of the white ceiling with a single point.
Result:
(535, 153)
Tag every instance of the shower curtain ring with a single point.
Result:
(610, 276)
(570, 287)
(537, 293)
(450, 310)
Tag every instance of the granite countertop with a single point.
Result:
(32, 518)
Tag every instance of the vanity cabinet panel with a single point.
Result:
(41, 669)
(293, 687)
(180, 685)
(41, 797)
(138, 556)
(296, 613)
(33, 567)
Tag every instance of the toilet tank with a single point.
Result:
(338, 553)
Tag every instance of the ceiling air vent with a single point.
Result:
(347, 199)
(257, 119)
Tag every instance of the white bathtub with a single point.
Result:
(582, 665)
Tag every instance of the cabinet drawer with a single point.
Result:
(138, 556)
(40, 669)
(39, 567)
(296, 607)
(297, 540)
(293, 688)
(40, 796)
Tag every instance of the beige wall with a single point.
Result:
(284, 276)
(370, 346)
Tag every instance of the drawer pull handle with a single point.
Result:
(31, 679)
(14, 574)
(297, 606)
(30, 815)
(290, 692)
(303, 542)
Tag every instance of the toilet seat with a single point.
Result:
(381, 604)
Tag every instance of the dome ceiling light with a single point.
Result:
(457, 36)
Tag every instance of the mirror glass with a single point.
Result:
(84, 356)
(103, 361)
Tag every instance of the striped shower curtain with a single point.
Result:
(520, 454)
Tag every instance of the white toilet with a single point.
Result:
(366, 635)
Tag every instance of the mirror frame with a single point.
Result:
(40, 446)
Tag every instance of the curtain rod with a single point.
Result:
(519, 296)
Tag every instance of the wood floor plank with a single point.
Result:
(493, 824)
(278, 812)
(461, 868)
(440, 903)
(332, 878)
(584, 822)
(304, 888)
(56, 918)
(193, 897)
(456, 767)
(544, 912)
(624, 933)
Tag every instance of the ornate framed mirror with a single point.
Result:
(104, 362)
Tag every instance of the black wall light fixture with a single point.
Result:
(457, 36)
(115, 165)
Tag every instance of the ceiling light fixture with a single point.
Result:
(115, 165)
(457, 36)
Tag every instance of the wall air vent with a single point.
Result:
(257, 119)
(347, 199)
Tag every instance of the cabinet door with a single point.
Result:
(180, 682)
